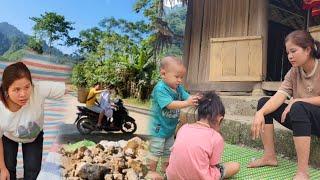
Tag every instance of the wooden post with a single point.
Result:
(187, 36)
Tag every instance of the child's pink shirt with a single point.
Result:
(196, 151)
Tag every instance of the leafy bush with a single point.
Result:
(78, 77)
(35, 45)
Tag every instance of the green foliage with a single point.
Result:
(3, 58)
(78, 77)
(52, 26)
(125, 53)
(130, 67)
(151, 9)
(35, 45)
(164, 35)
(73, 147)
(135, 30)
(176, 19)
(89, 40)
(15, 55)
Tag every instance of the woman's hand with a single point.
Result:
(285, 112)
(4, 174)
(258, 125)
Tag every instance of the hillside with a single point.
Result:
(12, 39)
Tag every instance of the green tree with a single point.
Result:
(120, 37)
(176, 19)
(35, 45)
(90, 39)
(135, 30)
(53, 27)
(78, 77)
(162, 34)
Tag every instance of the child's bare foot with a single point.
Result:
(301, 176)
(263, 162)
(152, 175)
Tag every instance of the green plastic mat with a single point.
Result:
(74, 146)
(285, 170)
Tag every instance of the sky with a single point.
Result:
(83, 13)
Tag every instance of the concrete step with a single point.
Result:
(235, 105)
(236, 129)
(240, 105)
(271, 85)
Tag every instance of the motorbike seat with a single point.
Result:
(85, 109)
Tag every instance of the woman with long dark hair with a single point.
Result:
(302, 114)
(22, 118)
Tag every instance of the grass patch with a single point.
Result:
(136, 102)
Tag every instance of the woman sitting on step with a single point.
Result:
(302, 113)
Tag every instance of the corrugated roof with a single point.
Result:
(290, 13)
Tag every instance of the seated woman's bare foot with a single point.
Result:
(301, 176)
(263, 162)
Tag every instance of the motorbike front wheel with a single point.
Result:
(129, 126)
(85, 126)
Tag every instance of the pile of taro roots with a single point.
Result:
(109, 160)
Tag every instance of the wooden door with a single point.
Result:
(236, 59)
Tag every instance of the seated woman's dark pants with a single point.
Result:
(303, 118)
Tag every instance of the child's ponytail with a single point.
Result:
(210, 106)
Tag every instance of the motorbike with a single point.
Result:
(87, 119)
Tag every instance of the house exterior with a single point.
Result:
(238, 45)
